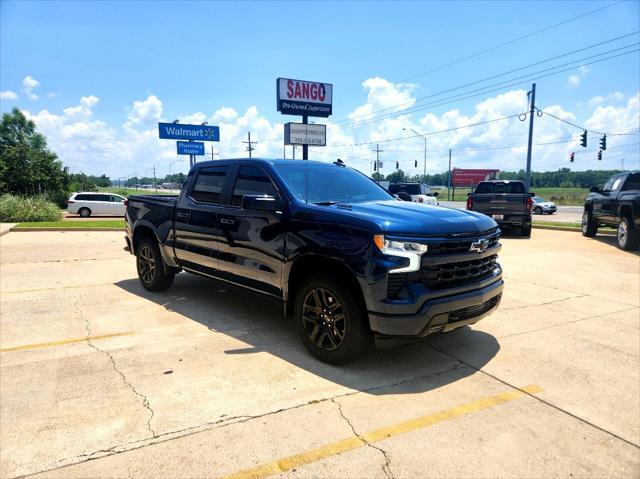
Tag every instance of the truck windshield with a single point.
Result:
(511, 187)
(328, 185)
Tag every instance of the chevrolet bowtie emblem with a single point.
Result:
(479, 246)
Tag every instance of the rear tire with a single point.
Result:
(525, 231)
(589, 225)
(84, 212)
(152, 272)
(331, 320)
(628, 238)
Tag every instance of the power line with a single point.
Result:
(578, 126)
(491, 88)
(500, 45)
(494, 76)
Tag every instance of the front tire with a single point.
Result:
(537, 210)
(628, 238)
(589, 225)
(331, 320)
(84, 212)
(153, 274)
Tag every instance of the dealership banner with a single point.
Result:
(304, 98)
(303, 134)
(463, 177)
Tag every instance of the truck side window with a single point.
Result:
(609, 184)
(252, 181)
(209, 184)
(632, 183)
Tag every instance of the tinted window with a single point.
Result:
(511, 187)
(252, 181)
(609, 184)
(209, 183)
(315, 183)
(116, 199)
(633, 182)
(83, 197)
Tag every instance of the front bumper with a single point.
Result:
(442, 314)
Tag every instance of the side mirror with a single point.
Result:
(259, 203)
(594, 189)
(532, 194)
(435, 193)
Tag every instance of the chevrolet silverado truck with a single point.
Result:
(505, 201)
(615, 204)
(348, 260)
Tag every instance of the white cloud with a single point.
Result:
(145, 112)
(613, 96)
(8, 95)
(84, 108)
(28, 85)
(573, 81)
(89, 101)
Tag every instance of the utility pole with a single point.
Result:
(249, 143)
(532, 111)
(449, 177)
(155, 181)
(377, 167)
(293, 147)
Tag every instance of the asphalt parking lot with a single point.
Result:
(99, 378)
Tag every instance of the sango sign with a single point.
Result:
(305, 98)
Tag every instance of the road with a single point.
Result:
(572, 214)
(99, 378)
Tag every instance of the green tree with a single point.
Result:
(27, 166)
(397, 176)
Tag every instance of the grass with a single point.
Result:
(560, 196)
(14, 209)
(70, 225)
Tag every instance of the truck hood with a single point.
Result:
(416, 219)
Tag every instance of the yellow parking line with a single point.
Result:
(28, 347)
(287, 463)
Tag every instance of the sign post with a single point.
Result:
(305, 98)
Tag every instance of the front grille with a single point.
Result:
(473, 311)
(456, 274)
(455, 247)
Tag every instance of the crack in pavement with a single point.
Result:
(211, 425)
(544, 304)
(145, 401)
(387, 460)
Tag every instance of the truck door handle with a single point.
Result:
(225, 221)
(182, 214)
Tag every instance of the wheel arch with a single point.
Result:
(312, 263)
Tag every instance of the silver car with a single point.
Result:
(542, 206)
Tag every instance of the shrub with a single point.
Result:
(16, 209)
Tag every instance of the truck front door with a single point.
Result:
(252, 241)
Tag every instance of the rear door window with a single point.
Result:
(633, 182)
(83, 198)
(209, 184)
(251, 180)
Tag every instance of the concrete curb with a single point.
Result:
(567, 228)
(19, 229)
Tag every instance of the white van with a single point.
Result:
(86, 204)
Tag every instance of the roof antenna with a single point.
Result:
(339, 162)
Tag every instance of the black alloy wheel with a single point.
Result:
(324, 319)
(146, 264)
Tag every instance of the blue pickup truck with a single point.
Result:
(348, 260)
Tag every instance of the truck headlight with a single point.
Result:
(405, 249)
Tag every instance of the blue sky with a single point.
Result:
(194, 59)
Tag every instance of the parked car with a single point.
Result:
(86, 204)
(347, 259)
(416, 192)
(616, 204)
(505, 201)
(542, 206)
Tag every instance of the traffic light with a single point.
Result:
(583, 139)
(397, 165)
(603, 142)
(572, 157)
(415, 164)
(599, 155)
